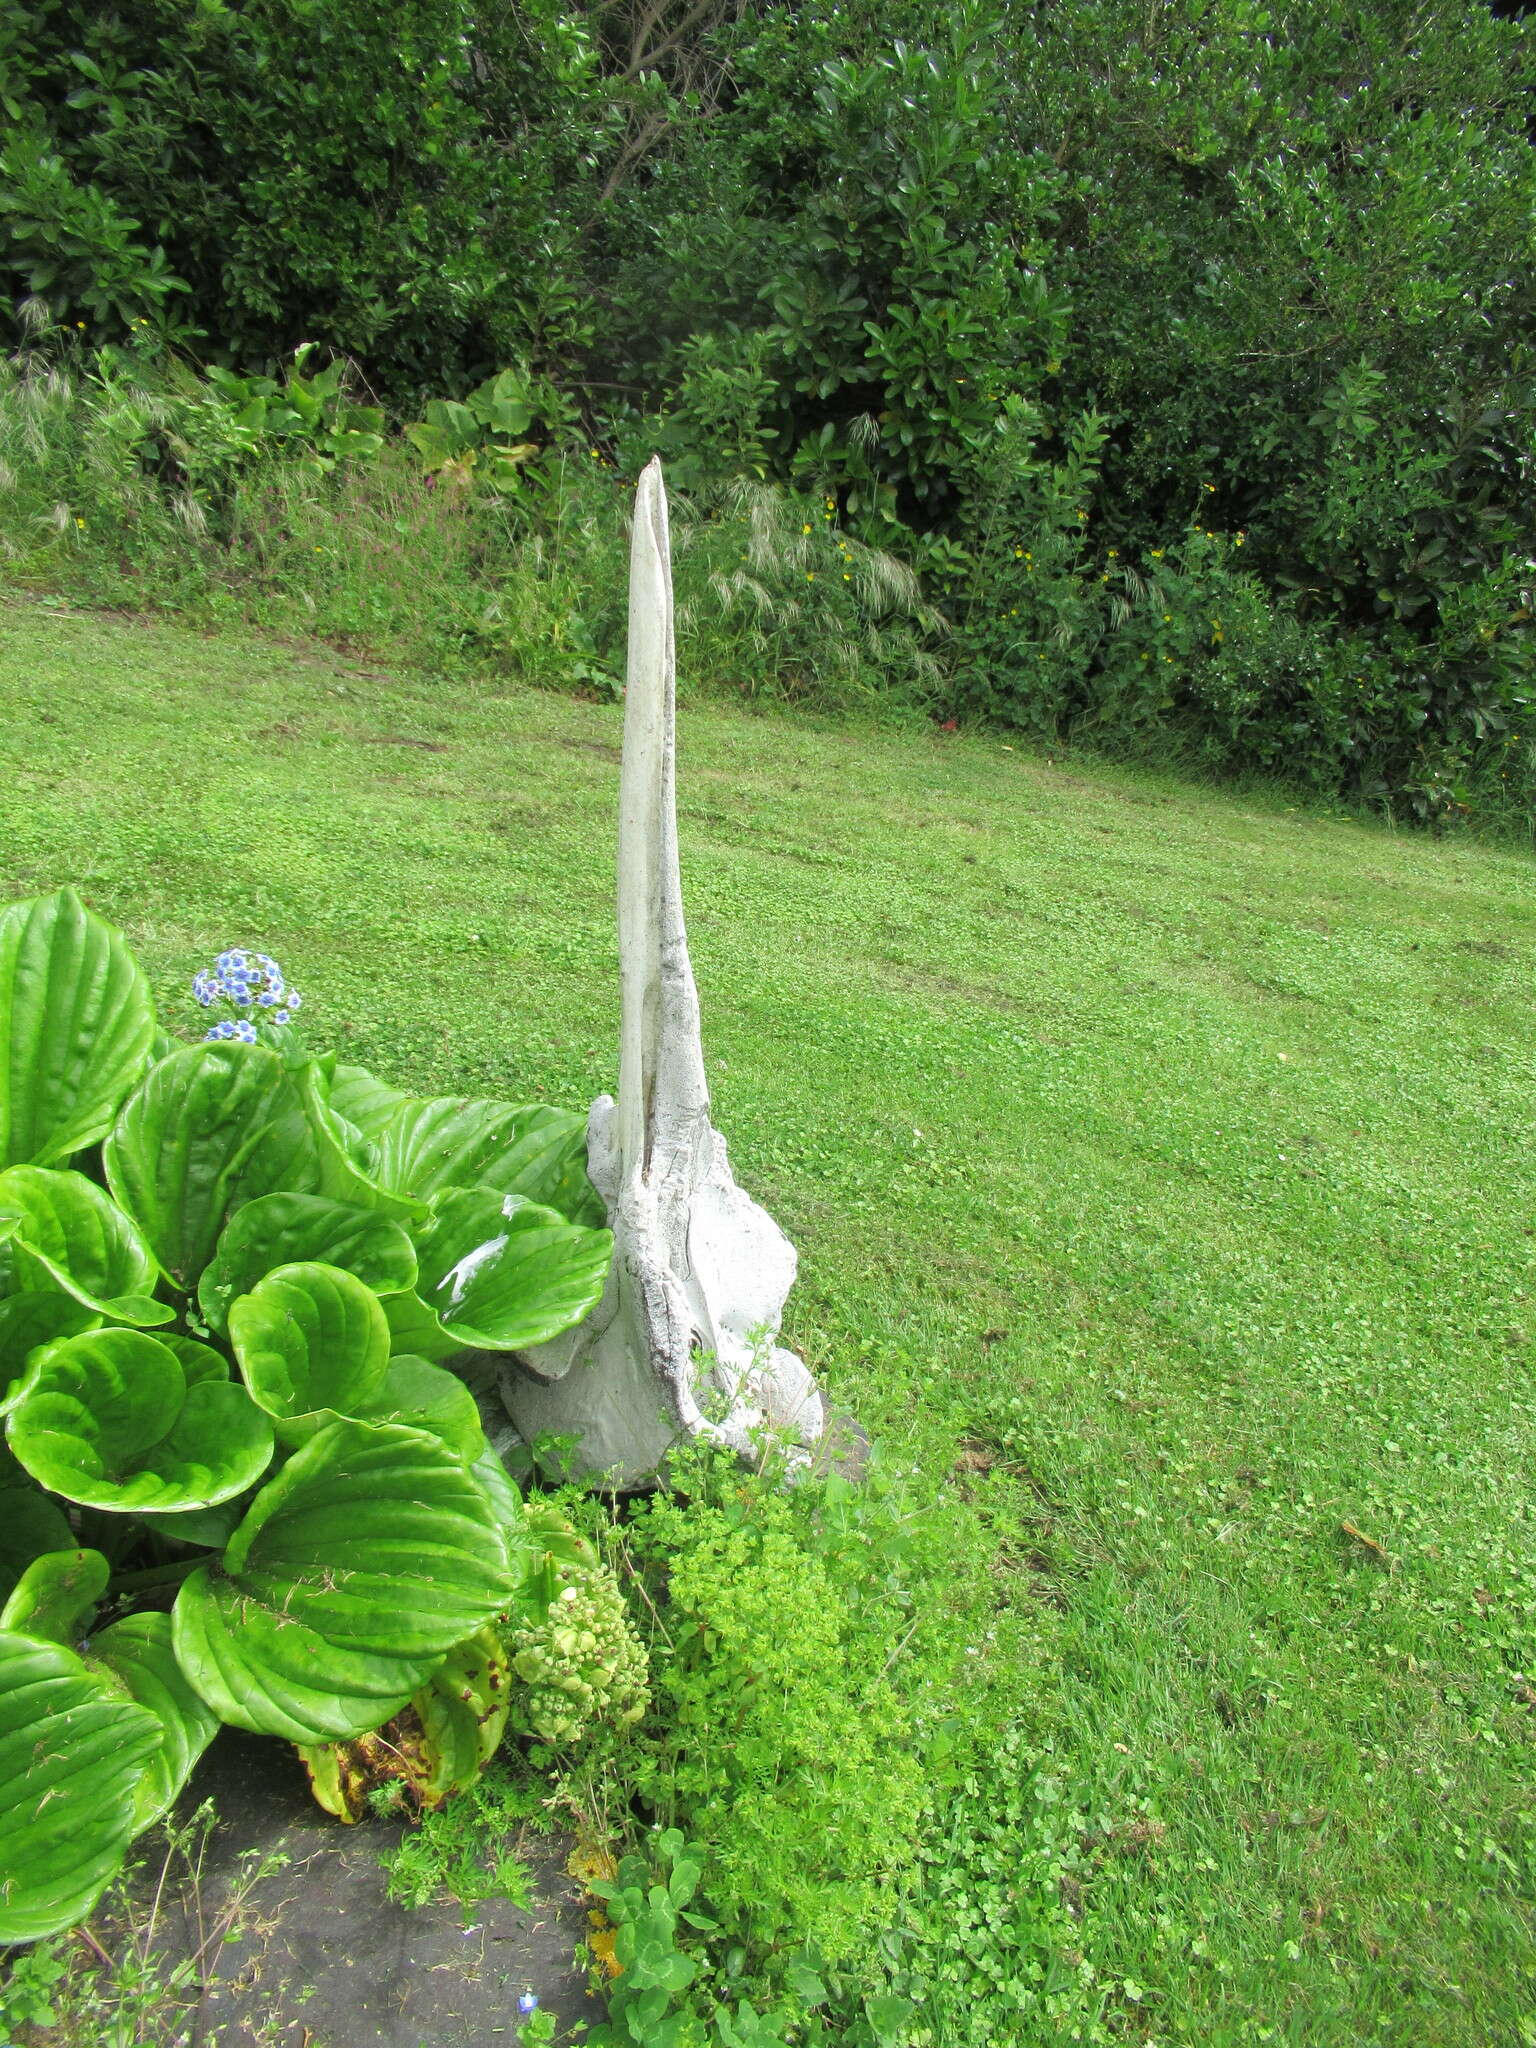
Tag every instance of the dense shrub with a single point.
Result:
(1059, 306)
(130, 479)
(261, 174)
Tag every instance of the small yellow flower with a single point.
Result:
(1018, 554)
(1104, 578)
(80, 523)
(1114, 554)
(805, 529)
(1240, 538)
(810, 575)
(1157, 554)
(1167, 618)
(1014, 613)
(1028, 557)
(846, 577)
(1209, 487)
(81, 325)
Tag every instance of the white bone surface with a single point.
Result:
(683, 1342)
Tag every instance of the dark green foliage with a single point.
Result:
(267, 172)
(324, 1500)
(1059, 305)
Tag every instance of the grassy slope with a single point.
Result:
(1161, 1169)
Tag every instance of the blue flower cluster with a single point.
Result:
(247, 981)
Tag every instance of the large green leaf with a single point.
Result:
(76, 1027)
(422, 1396)
(287, 1230)
(212, 1127)
(424, 1145)
(359, 1566)
(349, 1163)
(110, 1420)
(415, 1331)
(56, 1595)
(71, 1757)
(27, 1322)
(312, 1343)
(198, 1361)
(366, 1102)
(30, 1525)
(136, 1658)
(501, 1274)
(501, 1491)
(209, 1527)
(203, 1528)
(70, 1235)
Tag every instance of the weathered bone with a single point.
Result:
(682, 1342)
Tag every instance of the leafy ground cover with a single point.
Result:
(1160, 1165)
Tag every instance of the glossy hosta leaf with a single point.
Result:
(427, 1144)
(30, 1525)
(70, 1236)
(77, 1025)
(205, 1528)
(415, 1331)
(27, 1322)
(349, 1163)
(287, 1230)
(359, 1566)
(72, 1753)
(197, 1361)
(312, 1343)
(422, 1396)
(136, 1659)
(109, 1420)
(501, 1491)
(211, 1128)
(501, 1275)
(366, 1102)
(56, 1595)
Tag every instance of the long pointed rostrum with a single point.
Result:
(683, 1342)
(661, 1057)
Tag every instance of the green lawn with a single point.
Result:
(1161, 1168)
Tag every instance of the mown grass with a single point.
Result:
(1160, 1165)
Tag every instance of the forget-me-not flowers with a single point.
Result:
(246, 981)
